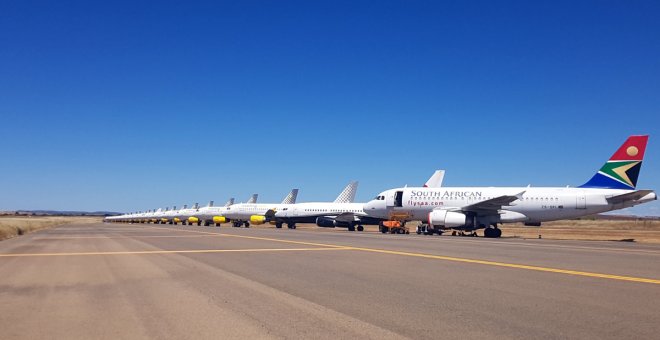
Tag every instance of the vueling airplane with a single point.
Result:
(340, 213)
(212, 214)
(246, 213)
(343, 212)
(471, 208)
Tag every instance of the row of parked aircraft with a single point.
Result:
(439, 208)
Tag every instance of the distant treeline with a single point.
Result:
(619, 218)
(57, 213)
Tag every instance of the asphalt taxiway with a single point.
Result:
(162, 281)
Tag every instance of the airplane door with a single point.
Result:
(581, 201)
(398, 199)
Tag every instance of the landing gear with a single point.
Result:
(360, 228)
(246, 224)
(492, 232)
(291, 225)
(217, 224)
(427, 230)
(351, 227)
(199, 223)
(236, 224)
(207, 223)
(278, 225)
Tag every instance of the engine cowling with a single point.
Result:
(193, 219)
(177, 220)
(257, 219)
(220, 219)
(448, 219)
(325, 222)
(507, 216)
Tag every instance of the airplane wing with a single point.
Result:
(631, 196)
(345, 217)
(492, 205)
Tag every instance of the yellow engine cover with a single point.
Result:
(193, 219)
(257, 219)
(177, 220)
(219, 219)
(164, 220)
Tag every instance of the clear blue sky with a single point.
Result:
(129, 106)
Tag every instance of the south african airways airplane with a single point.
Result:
(470, 208)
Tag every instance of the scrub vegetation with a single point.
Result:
(647, 231)
(12, 226)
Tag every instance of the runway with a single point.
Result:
(161, 281)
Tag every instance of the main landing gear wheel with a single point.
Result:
(246, 224)
(278, 225)
(351, 228)
(360, 228)
(291, 226)
(492, 232)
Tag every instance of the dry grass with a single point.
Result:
(639, 231)
(12, 226)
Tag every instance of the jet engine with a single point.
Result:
(220, 219)
(257, 219)
(193, 219)
(448, 219)
(325, 222)
(507, 216)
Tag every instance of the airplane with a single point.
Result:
(246, 213)
(184, 213)
(470, 208)
(211, 214)
(340, 213)
(167, 217)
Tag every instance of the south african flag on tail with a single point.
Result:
(622, 170)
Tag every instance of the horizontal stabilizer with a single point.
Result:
(631, 196)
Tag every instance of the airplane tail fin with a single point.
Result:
(291, 197)
(229, 202)
(436, 179)
(210, 204)
(348, 194)
(253, 199)
(622, 170)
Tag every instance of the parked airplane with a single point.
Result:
(340, 213)
(182, 214)
(246, 213)
(215, 215)
(471, 208)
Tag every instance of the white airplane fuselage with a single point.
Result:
(534, 205)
